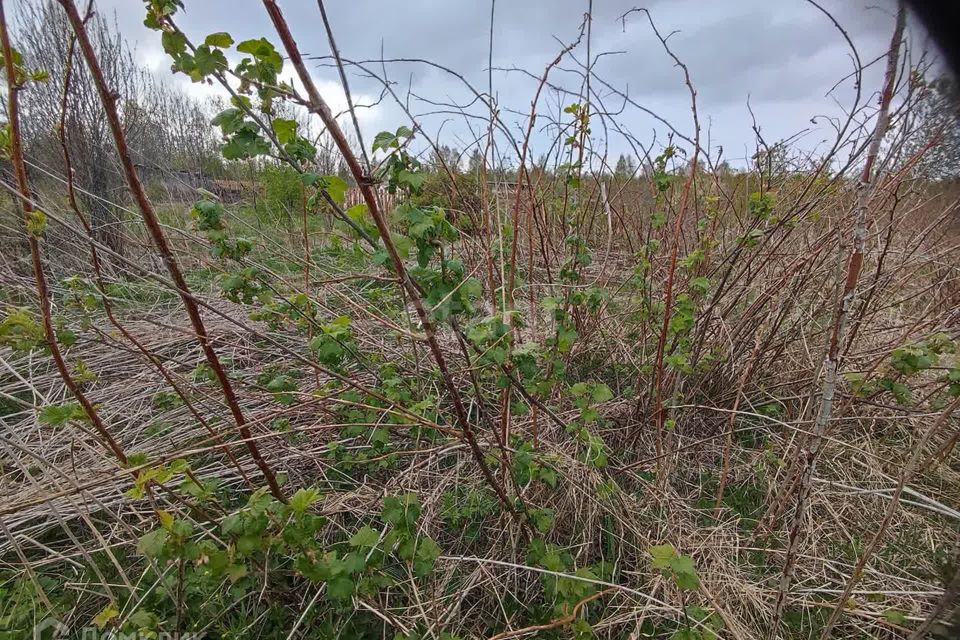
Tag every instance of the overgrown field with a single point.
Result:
(415, 400)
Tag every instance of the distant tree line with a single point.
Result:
(172, 139)
(169, 132)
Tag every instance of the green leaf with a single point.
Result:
(700, 285)
(687, 581)
(752, 238)
(761, 205)
(328, 350)
(248, 544)
(471, 288)
(579, 389)
(401, 511)
(682, 564)
(181, 529)
(601, 393)
(174, 42)
(355, 562)
(357, 212)
(340, 588)
(166, 519)
(895, 616)
(384, 140)
(301, 149)
(221, 39)
(336, 187)
(285, 129)
(303, 499)
(245, 143)
(152, 543)
(208, 215)
(691, 260)
(207, 61)
(426, 556)
(662, 554)
(229, 120)
(543, 519)
(366, 537)
(685, 573)
(137, 459)
(57, 415)
(402, 244)
(108, 613)
(308, 179)
(912, 359)
(264, 51)
(236, 571)
(548, 476)
(412, 179)
(143, 619)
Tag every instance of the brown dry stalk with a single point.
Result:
(554, 624)
(515, 222)
(320, 107)
(109, 99)
(949, 597)
(95, 255)
(27, 566)
(889, 190)
(941, 454)
(26, 206)
(346, 88)
(905, 477)
(267, 131)
(808, 458)
(659, 411)
(728, 443)
(523, 173)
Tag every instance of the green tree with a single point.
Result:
(449, 156)
(626, 167)
(475, 162)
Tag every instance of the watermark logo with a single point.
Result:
(53, 629)
(50, 629)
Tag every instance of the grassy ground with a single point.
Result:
(403, 535)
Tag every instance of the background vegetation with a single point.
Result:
(262, 377)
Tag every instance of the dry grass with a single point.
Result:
(726, 391)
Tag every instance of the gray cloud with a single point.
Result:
(784, 54)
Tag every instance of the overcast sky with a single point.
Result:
(784, 55)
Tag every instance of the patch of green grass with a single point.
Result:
(746, 433)
(745, 499)
(804, 623)
(166, 400)
(846, 549)
(465, 510)
(10, 405)
(201, 278)
(910, 550)
(157, 429)
(174, 215)
(137, 293)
